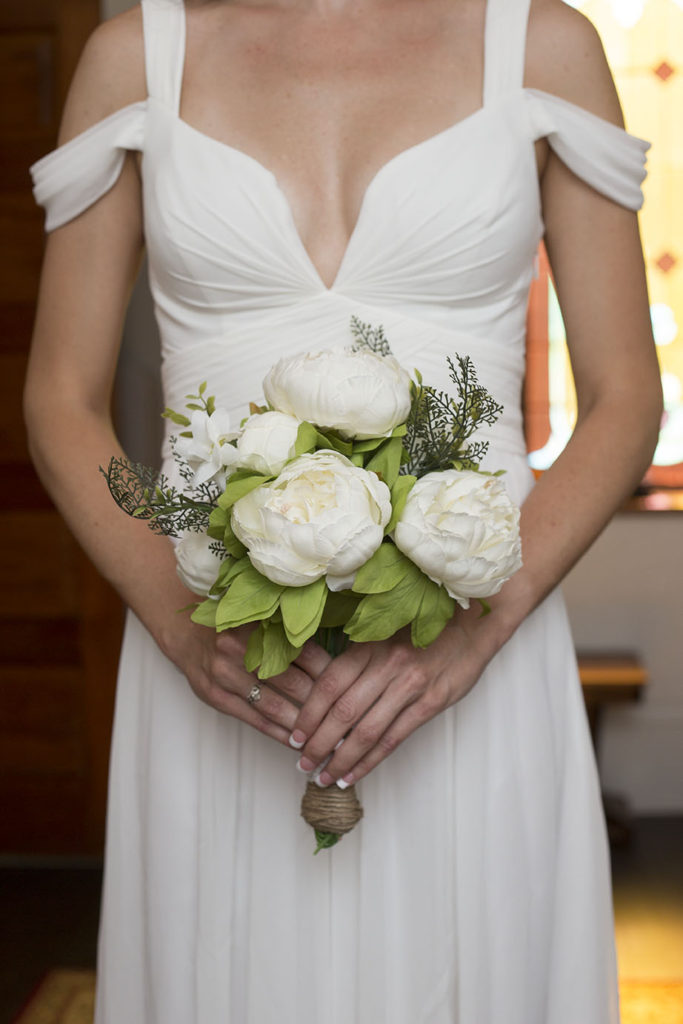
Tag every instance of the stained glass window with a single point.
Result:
(643, 40)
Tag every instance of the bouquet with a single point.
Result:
(350, 506)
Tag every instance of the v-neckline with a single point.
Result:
(383, 169)
(486, 104)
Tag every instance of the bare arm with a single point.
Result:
(89, 269)
(595, 252)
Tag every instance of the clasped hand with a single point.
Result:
(374, 695)
(371, 697)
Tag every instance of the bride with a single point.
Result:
(287, 164)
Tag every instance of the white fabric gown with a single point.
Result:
(476, 890)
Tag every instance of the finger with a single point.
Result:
(409, 720)
(336, 678)
(345, 714)
(271, 705)
(236, 707)
(369, 732)
(313, 659)
(294, 683)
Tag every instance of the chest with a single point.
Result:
(325, 101)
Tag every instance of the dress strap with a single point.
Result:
(504, 46)
(164, 30)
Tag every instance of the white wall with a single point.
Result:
(627, 594)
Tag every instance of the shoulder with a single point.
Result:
(565, 57)
(110, 74)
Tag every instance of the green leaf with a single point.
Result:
(251, 597)
(205, 613)
(387, 567)
(339, 607)
(253, 655)
(218, 520)
(231, 543)
(400, 431)
(278, 653)
(380, 616)
(386, 461)
(240, 483)
(176, 417)
(302, 609)
(485, 607)
(400, 490)
(331, 439)
(306, 438)
(369, 445)
(202, 387)
(435, 612)
(325, 840)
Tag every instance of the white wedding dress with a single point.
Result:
(476, 890)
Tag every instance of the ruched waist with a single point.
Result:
(235, 362)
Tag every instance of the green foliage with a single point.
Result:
(145, 494)
(332, 439)
(241, 482)
(253, 656)
(386, 461)
(231, 543)
(402, 487)
(176, 417)
(339, 607)
(387, 567)
(302, 609)
(306, 438)
(278, 652)
(380, 615)
(368, 337)
(324, 840)
(251, 597)
(435, 611)
(439, 425)
(218, 520)
(205, 613)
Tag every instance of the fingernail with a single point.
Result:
(304, 764)
(299, 768)
(345, 782)
(324, 779)
(340, 743)
(297, 739)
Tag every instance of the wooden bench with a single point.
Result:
(611, 678)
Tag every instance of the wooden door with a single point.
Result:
(59, 622)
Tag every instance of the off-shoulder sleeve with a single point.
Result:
(74, 176)
(600, 153)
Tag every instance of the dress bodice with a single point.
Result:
(442, 252)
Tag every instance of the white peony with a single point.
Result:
(267, 442)
(208, 452)
(462, 530)
(196, 564)
(323, 516)
(360, 394)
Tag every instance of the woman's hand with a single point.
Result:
(375, 695)
(214, 666)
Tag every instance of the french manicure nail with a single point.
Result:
(304, 764)
(342, 784)
(297, 739)
(323, 780)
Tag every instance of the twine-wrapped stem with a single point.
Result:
(331, 811)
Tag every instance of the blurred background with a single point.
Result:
(60, 624)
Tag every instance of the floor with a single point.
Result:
(49, 915)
